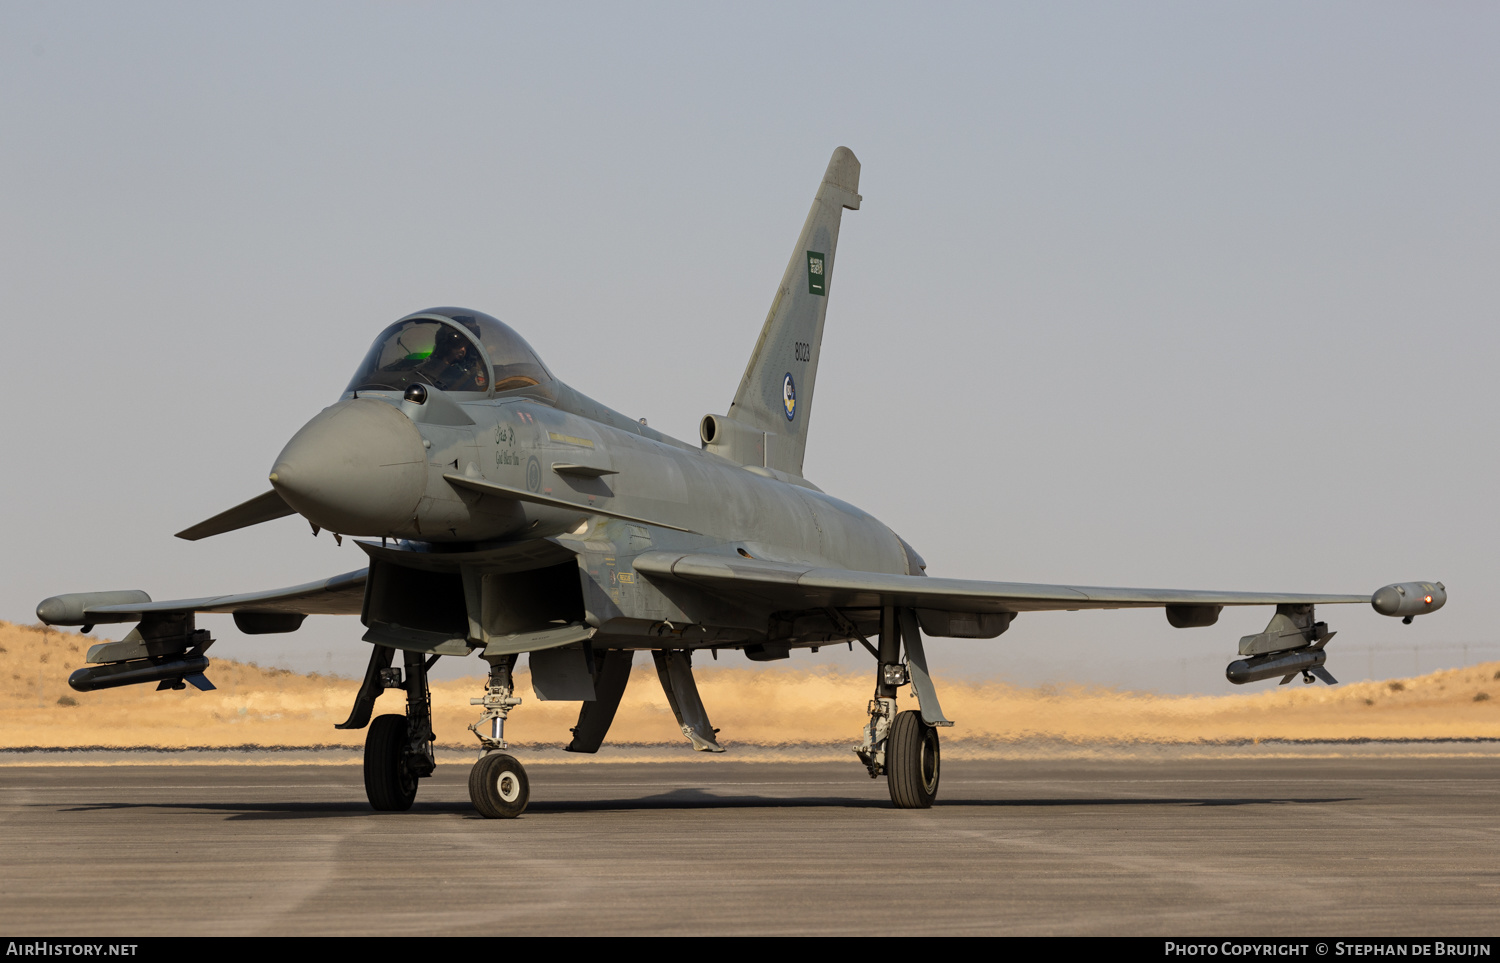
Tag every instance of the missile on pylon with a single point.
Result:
(1309, 661)
(172, 672)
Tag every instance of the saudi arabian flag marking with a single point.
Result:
(816, 279)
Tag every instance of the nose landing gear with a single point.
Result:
(498, 786)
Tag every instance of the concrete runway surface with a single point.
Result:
(1371, 845)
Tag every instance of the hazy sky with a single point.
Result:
(1187, 295)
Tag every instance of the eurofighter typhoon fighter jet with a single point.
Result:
(507, 513)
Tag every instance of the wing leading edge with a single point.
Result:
(336, 595)
(798, 586)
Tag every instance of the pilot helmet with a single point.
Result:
(447, 341)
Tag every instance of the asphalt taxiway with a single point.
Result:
(1366, 845)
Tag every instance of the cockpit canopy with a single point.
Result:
(454, 349)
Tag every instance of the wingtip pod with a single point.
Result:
(1408, 599)
(72, 609)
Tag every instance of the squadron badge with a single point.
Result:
(789, 396)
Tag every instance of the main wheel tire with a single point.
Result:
(498, 787)
(389, 784)
(912, 762)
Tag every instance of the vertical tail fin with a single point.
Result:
(776, 394)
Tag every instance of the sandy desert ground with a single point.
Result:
(255, 706)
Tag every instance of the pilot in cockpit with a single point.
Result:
(453, 364)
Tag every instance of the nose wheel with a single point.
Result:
(498, 787)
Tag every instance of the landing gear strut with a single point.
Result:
(498, 786)
(902, 746)
(398, 749)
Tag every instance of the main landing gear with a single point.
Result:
(903, 746)
(398, 749)
(498, 787)
(912, 762)
(390, 784)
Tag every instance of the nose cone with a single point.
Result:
(358, 468)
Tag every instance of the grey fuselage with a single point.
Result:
(374, 464)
